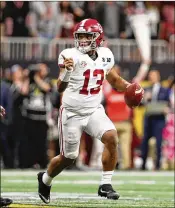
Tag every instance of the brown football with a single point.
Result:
(133, 95)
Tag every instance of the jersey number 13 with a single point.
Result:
(99, 82)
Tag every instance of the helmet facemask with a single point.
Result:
(87, 44)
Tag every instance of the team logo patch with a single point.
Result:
(83, 64)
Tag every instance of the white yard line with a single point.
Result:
(90, 173)
(82, 196)
(93, 182)
(33, 196)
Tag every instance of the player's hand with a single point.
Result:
(68, 63)
(2, 111)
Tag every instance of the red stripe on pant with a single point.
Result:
(59, 129)
(61, 132)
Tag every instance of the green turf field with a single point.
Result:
(79, 189)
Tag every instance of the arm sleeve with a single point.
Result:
(111, 61)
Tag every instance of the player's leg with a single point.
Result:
(70, 130)
(95, 160)
(101, 127)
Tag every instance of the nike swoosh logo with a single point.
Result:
(138, 91)
(47, 201)
(104, 191)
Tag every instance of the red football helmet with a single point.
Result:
(92, 28)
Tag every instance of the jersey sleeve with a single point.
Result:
(111, 60)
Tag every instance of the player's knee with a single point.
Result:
(110, 139)
(67, 161)
(72, 155)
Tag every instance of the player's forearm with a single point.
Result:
(61, 86)
(116, 81)
(63, 79)
(120, 84)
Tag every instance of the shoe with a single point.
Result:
(5, 201)
(106, 190)
(43, 190)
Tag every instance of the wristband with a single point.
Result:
(65, 75)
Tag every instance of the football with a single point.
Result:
(133, 95)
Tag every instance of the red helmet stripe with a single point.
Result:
(83, 22)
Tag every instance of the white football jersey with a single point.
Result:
(84, 91)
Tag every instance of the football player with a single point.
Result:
(82, 71)
(4, 201)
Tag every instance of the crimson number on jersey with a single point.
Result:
(99, 82)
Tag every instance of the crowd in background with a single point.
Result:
(31, 102)
(57, 19)
(29, 134)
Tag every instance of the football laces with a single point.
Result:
(138, 91)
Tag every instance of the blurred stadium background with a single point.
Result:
(32, 36)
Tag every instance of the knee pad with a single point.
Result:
(71, 155)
